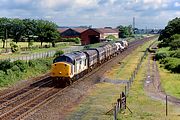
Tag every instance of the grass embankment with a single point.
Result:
(169, 62)
(170, 82)
(10, 72)
(101, 99)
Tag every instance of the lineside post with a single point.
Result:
(166, 106)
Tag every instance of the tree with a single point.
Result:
(29, 29)
(168, 35)
(18, 29)
(5, 26)
(51, 33)
(47, 32)
(125, 31)
(172, 28)
(111, 37)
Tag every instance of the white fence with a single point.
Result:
(43, 54)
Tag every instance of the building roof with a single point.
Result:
(79, 30)
(61, 30)
(99, 30)
(117, 30)
(106, 30)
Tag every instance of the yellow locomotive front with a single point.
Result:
(62, 67)
(62, 70)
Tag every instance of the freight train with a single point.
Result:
(72, 66)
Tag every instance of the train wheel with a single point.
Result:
(68, 82)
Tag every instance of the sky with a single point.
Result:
(98, 13)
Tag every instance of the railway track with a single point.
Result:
(15, 93)
(20, 103)
(12, 101)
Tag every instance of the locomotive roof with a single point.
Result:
(75, 55)
(70, 57)
(90, 51)
(99, 49)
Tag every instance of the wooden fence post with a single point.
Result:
(115, 114)
(125, 90)
(166, 106)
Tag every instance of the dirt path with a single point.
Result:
(152, 84)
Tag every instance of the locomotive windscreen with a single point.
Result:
(63, 59)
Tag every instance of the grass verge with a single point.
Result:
(170, 82)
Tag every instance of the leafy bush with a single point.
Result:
(30, 43)
(75, 40)
(21, 64)
(111, 37)
(161, 55)
(172, 64)
(6, 64)
(15, 68)
(18, 70)
(175, 44)
(2, 74)
(32, 63)
(14, 47)
(175, 54)
(58, 53)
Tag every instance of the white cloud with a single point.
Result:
(53, 3)
(86, 3)
(177, 4)
(22, 1)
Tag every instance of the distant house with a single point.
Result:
(90, 36)
(105, 32)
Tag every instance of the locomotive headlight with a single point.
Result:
(60, 72)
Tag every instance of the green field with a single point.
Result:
(22, 44)
(102, 97)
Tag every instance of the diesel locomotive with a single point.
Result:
(69, 67)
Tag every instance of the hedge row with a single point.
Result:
(170, 59)
(75, 40)
(162, 55)
(172, 64)
(10, 72)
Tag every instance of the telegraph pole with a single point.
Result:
(134, 24)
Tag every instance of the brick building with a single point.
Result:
(89, 35)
